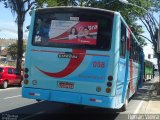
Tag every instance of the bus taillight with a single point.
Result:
(110, 78)
(109, 84)
(26, 82)
(26, 75)
(108, 90)
(26, 70)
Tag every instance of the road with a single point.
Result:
(15, 107)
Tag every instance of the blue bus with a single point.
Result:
(83, 56)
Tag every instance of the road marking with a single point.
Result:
(1, 90)
(12, 97)
(139, 106)
(31, 116)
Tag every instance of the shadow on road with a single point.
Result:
(50, 110)
(46, 110)
(155, 93)
(144, 92)
(148, 92)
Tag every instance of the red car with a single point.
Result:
(9, 76)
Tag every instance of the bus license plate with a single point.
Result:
(68, 85)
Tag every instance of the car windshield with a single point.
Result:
(1, 69)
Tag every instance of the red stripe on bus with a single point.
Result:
(128, 39)
(73, 64)
(131, 76)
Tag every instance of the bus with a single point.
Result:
(82, 56)
(148, 70)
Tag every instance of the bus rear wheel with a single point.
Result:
(124, 107)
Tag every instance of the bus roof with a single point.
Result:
(75, 7)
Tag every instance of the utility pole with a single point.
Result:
(158, 43)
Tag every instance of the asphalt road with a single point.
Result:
(13, 106)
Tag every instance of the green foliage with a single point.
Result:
(12, 50)
(155, 5)
(51, 3)
(18, 7)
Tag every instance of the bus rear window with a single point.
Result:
(79, 30)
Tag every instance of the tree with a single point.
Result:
(152, 25)
(12, 50)
(20, 8)
(51, 3)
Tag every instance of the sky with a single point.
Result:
(148, 49)
(8, 28)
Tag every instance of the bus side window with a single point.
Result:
(131, 48)
(123, 41)
(134, 51)
(137, 52)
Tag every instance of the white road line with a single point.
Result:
(12, 97)
(139, 106)
(31, 116)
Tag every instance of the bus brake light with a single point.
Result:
(108, 90)
(26, 75)
(109, 84)
(26, 82)
(110, 78)
(26, 70)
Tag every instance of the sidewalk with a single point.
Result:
(153, 106)
(148, 97)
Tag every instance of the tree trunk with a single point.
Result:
(20, 43)
(158, 63)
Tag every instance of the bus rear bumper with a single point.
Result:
(69, 97)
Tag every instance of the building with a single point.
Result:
(4, 43)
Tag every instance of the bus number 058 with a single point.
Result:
(98, 64)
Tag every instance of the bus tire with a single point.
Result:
(124, 107)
